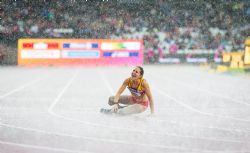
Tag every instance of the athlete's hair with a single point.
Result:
(141, 69)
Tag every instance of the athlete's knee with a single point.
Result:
(111, 100)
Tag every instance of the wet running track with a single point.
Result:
(56, 110)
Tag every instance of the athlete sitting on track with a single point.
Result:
(139, 99)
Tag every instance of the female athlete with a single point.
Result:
(139, 99)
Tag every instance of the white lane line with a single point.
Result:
(40, 147)
(196, 110)
(203, 90)
(71, 151)
(115, 141)
(204, 127)
(93, 111)
(106, 82)
(144, 131)
(20, 88)
(101, 139)
(50, 110)
(62, 92)
(111, 90)
(201, 75)
(8, 125)
(193, 109)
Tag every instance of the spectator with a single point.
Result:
(173, 25)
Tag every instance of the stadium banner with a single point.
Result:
(79, 52)
(247, 51)
(198, 58)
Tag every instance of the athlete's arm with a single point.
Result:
(149, 94)
(117, 96)
(120, 91)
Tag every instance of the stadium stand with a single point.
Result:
(166, 26)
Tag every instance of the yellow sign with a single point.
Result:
(247, 52)
(247, 55)
(247, 42)
(237, 56)
(234, 58)
(226, 57)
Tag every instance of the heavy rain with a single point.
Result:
(124, 76)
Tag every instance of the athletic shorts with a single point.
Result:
(135, 101)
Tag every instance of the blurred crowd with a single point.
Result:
(166, 26)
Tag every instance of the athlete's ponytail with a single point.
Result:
(141, 70)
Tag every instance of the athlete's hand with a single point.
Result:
(114, 108)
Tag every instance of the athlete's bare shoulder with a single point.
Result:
(144, 83)
(126, 81)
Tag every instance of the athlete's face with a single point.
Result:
(136, 73)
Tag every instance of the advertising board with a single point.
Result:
(79, 52)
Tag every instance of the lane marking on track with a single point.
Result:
(98, 139)
(144, 131)
(196, 110)
(106, 82)
(30, 129)
(106, 140)
(216, 73)
(50, 110)
(190, 107)
(94, 111)
(21, 87)
(41, 147)
(62, 92)
(203, 90)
